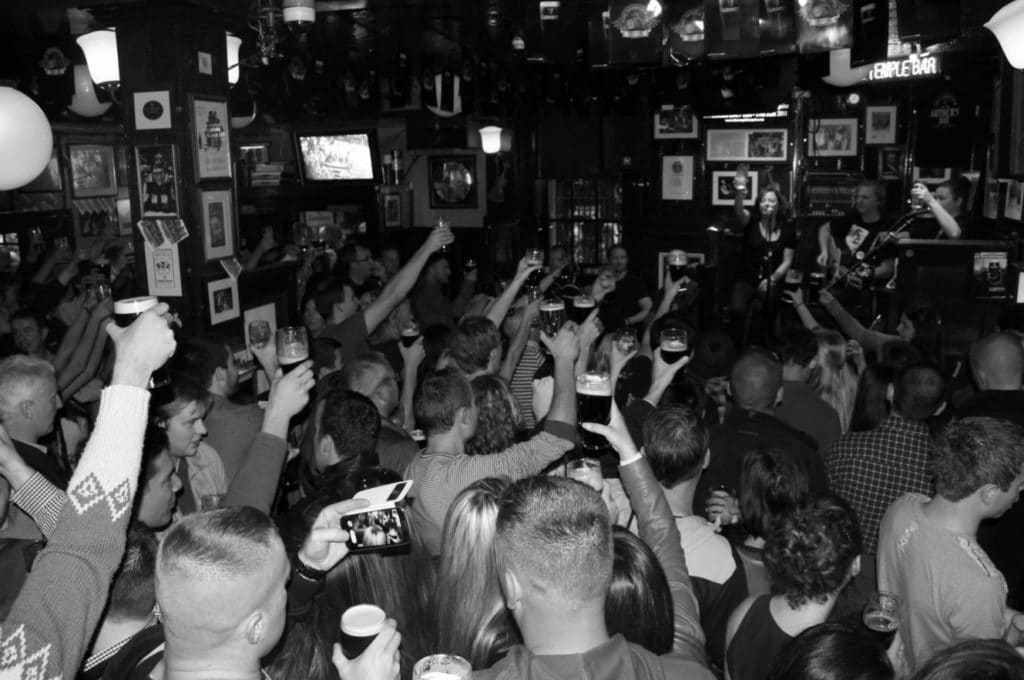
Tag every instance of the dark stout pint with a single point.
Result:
(676, 264)
(552, 316)
(360, 625)
(594, 405)
(291, 360)
(794, 279)
(582, 306)
(127, 311)
(292, 347)
(673, 345)
(409, 336)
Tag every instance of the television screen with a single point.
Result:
(337, 157)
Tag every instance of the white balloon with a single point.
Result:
(26, 139)
(84, 101)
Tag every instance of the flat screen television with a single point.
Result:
(346, 156)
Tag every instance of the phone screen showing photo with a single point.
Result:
(377, 529)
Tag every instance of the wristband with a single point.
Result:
(307, 572)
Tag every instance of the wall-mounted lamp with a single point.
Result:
(1008, 26)
(84, 101)
(100, 48)
(490, 139)
(234, 43)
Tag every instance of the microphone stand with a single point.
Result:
(898, 227)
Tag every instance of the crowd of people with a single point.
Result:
(831, 505)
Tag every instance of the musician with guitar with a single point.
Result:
(844, 241)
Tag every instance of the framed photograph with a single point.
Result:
(675, 122)
(763, 145)
(677, 178)
(453, 182)
(217, 215)
(890, 162)
(93, 170)
(832, 137)
(1014, 200)
(49, 179)
(210, 125)
(932, 176)
(223, 300)
(152, 110)
(392, 210)
(724, 193)
(157, 168)
(880, 125)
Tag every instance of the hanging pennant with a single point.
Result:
(824, 25)
(731, 28)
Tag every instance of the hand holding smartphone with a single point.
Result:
(384, 525)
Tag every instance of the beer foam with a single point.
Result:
(135, 305)
(674, 346)
(555, 306)
(294, 353)
(362, 620)
(580, 301)
(594, 384)
(410, 332)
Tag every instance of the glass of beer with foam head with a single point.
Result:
(674, 344)
(582, 306)
(126, 311)
(552, 316)
(594, 405)
(292, 347)
(676, 264)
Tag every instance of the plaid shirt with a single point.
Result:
(872, 469)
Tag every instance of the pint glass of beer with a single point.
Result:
(676, 264)
(126, 311)
(674, 344)
(292, 347)
(535, 257)
(594, 405)
(410, 333)
(552, 316)
(582, 306)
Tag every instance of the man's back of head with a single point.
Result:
(132, 592)
(220, 584)
(24, 381)
(554, 538)
(351, 423)
(919, 391)
(983, 456)
(476, 346)
(676, 444)
(441, 397)
(199, 359)
(365, 375)
(755, 380)
(997, 362)
(797, 347)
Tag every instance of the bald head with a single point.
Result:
(997, 362)
(755, 380)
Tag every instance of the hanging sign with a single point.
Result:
(914, 66)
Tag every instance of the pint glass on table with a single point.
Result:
(594, 405)
(292, 347)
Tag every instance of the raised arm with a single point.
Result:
(92, 335)
(399, 286)
(72, 339)
(853, 329)
(947, 223)
(518, 343)
(412, 357)
(796, 297)
(742, 214)
(500, 308)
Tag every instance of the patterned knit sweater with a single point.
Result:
(53, 619)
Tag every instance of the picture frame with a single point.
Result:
(93, 170)
(216, 214)
(152, 110)
(1014, 200)
(454, 182)
(880, 125)
(677, 178)
(676, 122)
(392, 205)
(50, 178)
(723, 193)
(222, 296)
(156, 167)
(931, 176)
(758, 145)
(210, 126)
(890, 162)
(832, 137)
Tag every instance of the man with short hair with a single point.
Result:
(446, 409)
(430, 302)
(359, 264)
(475, 348)
(371, 375)
(927, 553)
(351, 326)
(997, 364)
(28, 406)
(872, 469)
(755, 384)
(390, 260)
(29, 332)
(801, 408)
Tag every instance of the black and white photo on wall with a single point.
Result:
(223, 300)
(890, 162)
(723, 189)
(880, 125)
(675, 122)
(832, 137)
(217, 215)
(762, 145)
(158, 179)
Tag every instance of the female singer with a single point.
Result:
(769, 241)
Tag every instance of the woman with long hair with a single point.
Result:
(920, 326)
(639, 603)
(468, 610)
(834, 378)
(500, 422)
(831, 651)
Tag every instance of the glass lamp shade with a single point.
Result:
(1008, 26)
(298, 14)
(839, 72)
(234, 44)
(26, 139)
(490, 139)
(100, 48)
(84, 101)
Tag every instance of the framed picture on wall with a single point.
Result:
(223, 300)
(832, 137)
(392, 209)
(932, 176)
(762, 145)
(93, 170)
(890, 162)
(880, 125)
(453, 182)
(157, 170)
(210, 126)
(217, 216)
(675, 122)
(677, 178)
(724, 193)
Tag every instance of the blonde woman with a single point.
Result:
(835, 378)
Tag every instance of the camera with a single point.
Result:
(383, 525)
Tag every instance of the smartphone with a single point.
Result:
(383, 525)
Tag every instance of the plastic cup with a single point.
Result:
(360, 625)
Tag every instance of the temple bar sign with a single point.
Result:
(914, 66)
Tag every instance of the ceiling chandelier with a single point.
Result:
(269, 16)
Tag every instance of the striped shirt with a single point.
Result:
(439, 477)
(521, 384)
